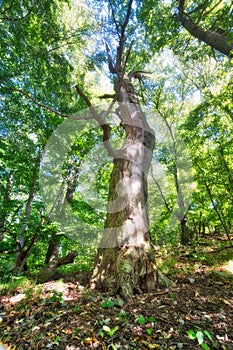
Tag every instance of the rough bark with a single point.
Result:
(126, 263)
(48, 271)
(53, 249)
(217, 39)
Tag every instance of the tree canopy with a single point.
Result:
(62, 57)
(116, 153)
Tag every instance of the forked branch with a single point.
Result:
(100, 118)
(48, 108)
(120, 49)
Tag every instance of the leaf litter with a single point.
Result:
(64, 315)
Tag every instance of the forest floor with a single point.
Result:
(63, 315)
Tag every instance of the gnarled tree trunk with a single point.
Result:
(125, 263)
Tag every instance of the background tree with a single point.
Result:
(180, 23)
(35, 46)
(52, 54)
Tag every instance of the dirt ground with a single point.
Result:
(63, 315)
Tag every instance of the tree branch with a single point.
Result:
(120, 48)
(111, 66)
(38, 103)
(49, 270)
(124, 25)
(212, 38)
(100, 118)
(7, 18)
(161, 193)
(114, 19)
(127, 56)
(221, 219)
(105, 96)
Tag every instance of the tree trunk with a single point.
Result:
(125, 263)
(53, 248)
(181, 212)
(48, 271)
(21, 255)
(185, 233)
(6, 200)
(66, 195)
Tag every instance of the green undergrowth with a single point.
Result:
(207, 253)
(21, 283)
(204, 254)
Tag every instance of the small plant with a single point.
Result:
(149, 331)
(106, 304)
(108, 330)
(142, 320)
(76, 308)
(173, 298)
(56, 296)
(199, 336)
(57, 340)
(123, 315)
(75, 332)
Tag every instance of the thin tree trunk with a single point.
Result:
(20, 261)
(6, 200)
(200, 225)
(181, 213)
(185, 232)
(221, 219)
(203, 228)
(65, 195)
(195, 230)
(53, 248)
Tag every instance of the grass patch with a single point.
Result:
(16, 283)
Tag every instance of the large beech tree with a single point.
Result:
(125, 263)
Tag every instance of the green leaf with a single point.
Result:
(113, 330)
(191, 334)
(109, 303)
(141, 319)
(151, 319)
(149, 331)
(205, 346)
(208, 335)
